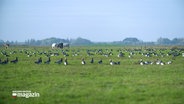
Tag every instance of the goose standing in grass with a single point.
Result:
(92, 60)
(39, 61)
(169, 62)
(14, 61)
(65, 61)
(100, 61)
(111, 62)
(159, 62)
(83, 62)
(121, 54)
(5, 61)
(141, 62)
(48, 61)
(114, 63)
(59, 61)
(162, 63)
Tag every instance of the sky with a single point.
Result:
(96, 20)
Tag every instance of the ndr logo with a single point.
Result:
(25, 94)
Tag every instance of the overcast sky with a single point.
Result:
(97, 20)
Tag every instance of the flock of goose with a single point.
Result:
(158, 53)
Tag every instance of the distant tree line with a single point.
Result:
(128, 41)
(45, 42)
(160, 41)
(166, 41)
(85, 42)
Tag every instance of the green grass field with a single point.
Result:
(127, 83)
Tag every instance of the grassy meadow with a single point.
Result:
(127, 83)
